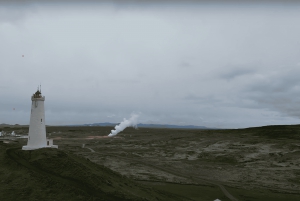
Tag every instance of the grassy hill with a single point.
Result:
(51, 174)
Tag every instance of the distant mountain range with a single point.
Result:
(139, 126)
(149, 126)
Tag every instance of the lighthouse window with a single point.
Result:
(41, 120)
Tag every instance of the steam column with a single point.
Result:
(37, 128)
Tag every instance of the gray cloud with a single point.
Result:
(210, 65)
(236, 72)
(278, 91)
(207, 100)
(143, 1)
(185, 64)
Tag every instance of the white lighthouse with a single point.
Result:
(37, 128)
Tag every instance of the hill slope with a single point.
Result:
(51, 174)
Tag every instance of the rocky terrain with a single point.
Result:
(243, 164)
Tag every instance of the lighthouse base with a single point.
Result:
(33, 148)
(49, 145)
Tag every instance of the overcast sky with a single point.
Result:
(226, 65)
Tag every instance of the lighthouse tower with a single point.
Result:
(37, 128)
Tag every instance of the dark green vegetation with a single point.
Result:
(277, 132)
(195, 192)
(156, 164)
(51, 174)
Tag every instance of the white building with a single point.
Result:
(37, 128)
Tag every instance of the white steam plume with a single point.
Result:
(124, 124)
